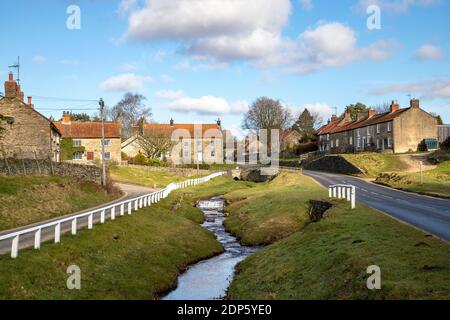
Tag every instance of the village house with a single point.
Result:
(85, 140)
(400, 130)
(28, 134)
(203, 140)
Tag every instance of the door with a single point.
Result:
(90, 156)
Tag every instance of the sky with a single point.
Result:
(197, 60)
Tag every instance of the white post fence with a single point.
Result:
(100, 213)
(342, 191)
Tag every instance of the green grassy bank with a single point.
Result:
(436, 182)
(328, 259)
(133, 257)
(372, 163)
(26, 200)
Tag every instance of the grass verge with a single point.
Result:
(134, 257)
(328, 260)
(436, 182)
(26, 200)
(372, 163)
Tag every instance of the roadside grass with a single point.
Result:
(328, 260)
(271, 211)
(147, 178)
(436, 182)
(372, 163)
(29, 199)
(134, 257)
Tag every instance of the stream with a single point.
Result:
(210, 279)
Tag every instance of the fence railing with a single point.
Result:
(112, 211)
(342, 191)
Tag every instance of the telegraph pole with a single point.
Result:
(102, 116)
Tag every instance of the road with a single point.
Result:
(27, 240)
(429, 214)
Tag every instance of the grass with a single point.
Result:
(436, 182)
(328, 259)
(26, 200)
(270, 211)
(372, 164)
(146, 178)
(134, 257)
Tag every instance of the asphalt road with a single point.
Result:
(429, 214)
(47, 234)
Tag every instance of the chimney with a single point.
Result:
(172, 122)
(415, 103)
(333, 117)
(360, 116)
(347, 119)
(11, 87)
(30, 103)
(394, 106)
(371, 113)
(66, 118)
(219, 122)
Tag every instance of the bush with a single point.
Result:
(306, 147)
(156, 163)
(124, 156)
(140, 160)
(446, 144)
(422, 146)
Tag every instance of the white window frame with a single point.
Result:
(378, 128)
(350, 140)
(332, 143)
(107, 142)
(337, 143)
(389, 142)
(213, 153)
(81, 154)
(76, 143)
(107, 155)
(389, 129)
(378, 143)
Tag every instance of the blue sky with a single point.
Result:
(197, 60)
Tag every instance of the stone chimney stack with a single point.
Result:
(30, 102)
(11, 87)
(172, 123)
(371, 113)
(415, 103)
(394, 106)
(361, 116)
(66, 118)
(219, 122)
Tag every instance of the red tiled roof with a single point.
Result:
(333, 127)
(88, 129)
(148, 128)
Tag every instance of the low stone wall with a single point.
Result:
(331, 163)
(186, 172)
(28, 167)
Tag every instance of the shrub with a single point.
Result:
(124, 156)
(446, 144)
(422, 146)
(140, 160)
(156, 163)
(306, 147)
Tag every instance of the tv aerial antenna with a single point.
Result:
(17, 67)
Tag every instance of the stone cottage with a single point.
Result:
(400, 130)
(28, 134)
(86, 139)
(206, 140)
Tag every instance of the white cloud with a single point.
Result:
(170, 94)
(322, 109)
(307, 4)
(125, 82)
(219, 32)
(429, 52)
(40, 59)
(431, 89)
(159, 55)
(205, 105)
(129, 67)
(70, 62)
(394, 6)
(126, 6)
(166, 78)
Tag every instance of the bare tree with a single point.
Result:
(266, 113)
(129, 110)
(382, 108)
(155, 142)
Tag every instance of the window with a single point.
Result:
(76, 143)
(358, 132)
(107, 142)
(389, 127)
(213, 153)
(358, 142)
(389, 142)
(107, 155)
(199, 143)
(337, 143)
(328, 137)
(350, 141)
(332, 143)
(186, 143)
(186, 153)
(368, 131)
(78, 156)
(378, 128)
(378, 143)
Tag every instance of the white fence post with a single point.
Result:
(90, 221)
(102, 216)
(129, 207)
(74, 226)
(37, 239)
(15, 247)
(113, 213)
(122, 209)
(58, 233)
(353, 197)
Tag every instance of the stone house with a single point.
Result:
(400, 130)
(205, 140)
(28, 134)
(443, 132)
(86, 138)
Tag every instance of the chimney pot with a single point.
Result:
(172, 122)
(29, 100)
(415, 103)
(394, 106)
(11, 77)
